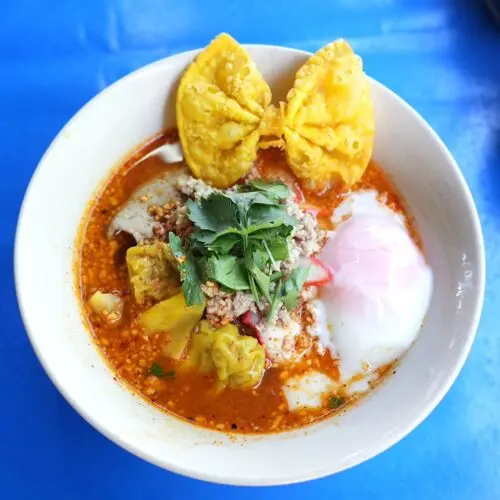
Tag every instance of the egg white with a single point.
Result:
(307, 390)
(369, 324)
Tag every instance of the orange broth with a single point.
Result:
(130, 353)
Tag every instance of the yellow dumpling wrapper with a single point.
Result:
(152, 270)
(238, 360)
(329, 122)
(174, 318)
(221, 101)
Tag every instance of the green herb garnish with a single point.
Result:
(159, 372)
(276, 190)
(239, 239)
(336, 402)
(293, 286)
(276, 300)
(227, 270)
(188, 272)
(288, 291)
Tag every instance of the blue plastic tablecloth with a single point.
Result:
(443, 57)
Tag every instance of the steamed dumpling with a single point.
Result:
(153, 273)
(238, 360)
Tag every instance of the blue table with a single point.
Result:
(442, 56)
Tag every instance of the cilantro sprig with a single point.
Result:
(336, 402)
(159, 372)
(288, 292)
(189, 274)
(239, 239)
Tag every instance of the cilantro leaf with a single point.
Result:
(156, 370)
(278, 247)
(259, 281)
(253, 287)
(159, 372)
(275, 239)
(216, 213)
(260, 257)
(228, 271)
(277, 190)
(220, 243)
(267, 233)
(336, 402)
(276, 301)
(188, 271)
(261, 216)
(293, 287)
(224, 243)
(262, 281)
(202, 237)
(288, 292)
(239, 239)
(244, 201)
(270, 255)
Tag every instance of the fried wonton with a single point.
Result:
(329, 122)
(326, 126)
(221, 101)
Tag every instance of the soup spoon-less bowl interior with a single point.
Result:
(70, 174)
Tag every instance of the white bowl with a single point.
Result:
(81, 156)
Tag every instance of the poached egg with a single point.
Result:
(371, 312)
(381, 289)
